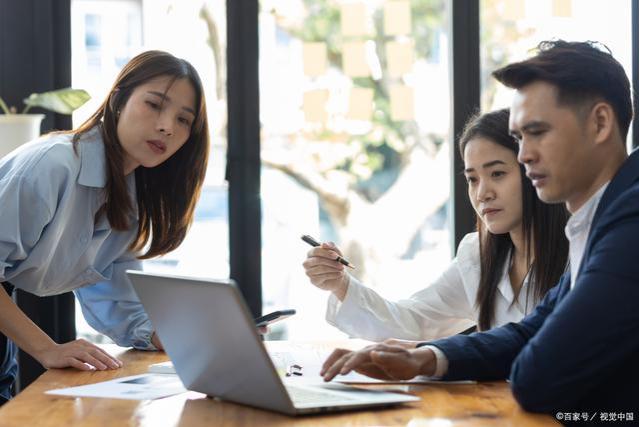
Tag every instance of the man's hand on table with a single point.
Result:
(382, 361)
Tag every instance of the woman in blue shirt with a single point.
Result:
(79, 208)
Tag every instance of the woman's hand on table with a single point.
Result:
(79, 354)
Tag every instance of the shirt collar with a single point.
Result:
(93, 168)
(92, 159)
(505, 286)
(580, 221)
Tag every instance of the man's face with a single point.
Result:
(553, 145)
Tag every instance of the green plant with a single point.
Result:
(63, 101)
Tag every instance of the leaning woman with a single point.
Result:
(79, 208)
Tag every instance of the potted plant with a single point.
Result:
(18, 128)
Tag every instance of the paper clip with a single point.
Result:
(293, 370)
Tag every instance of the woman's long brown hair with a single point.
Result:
(166, 194)
(543, 228)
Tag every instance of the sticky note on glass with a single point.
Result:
(399, 58)
(314, 56)
(397, 18)
(402, 103)
(354, 61)
(360, 104)
(315, 106)
(353, 19)
(514, 10)
(562, 8)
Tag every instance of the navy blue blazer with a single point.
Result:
(579, 349)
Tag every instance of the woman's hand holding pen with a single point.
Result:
(325, 271)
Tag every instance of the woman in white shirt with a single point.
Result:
(500, 272)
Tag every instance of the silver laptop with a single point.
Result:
(207, 331)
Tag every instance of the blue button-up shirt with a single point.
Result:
(50, 242)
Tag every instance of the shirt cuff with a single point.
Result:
(441, 362)
(334, 306)
(142, 337)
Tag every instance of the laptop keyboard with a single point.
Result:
(306, 396)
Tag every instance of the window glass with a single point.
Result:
(355, 124)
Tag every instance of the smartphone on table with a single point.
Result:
(273, 317)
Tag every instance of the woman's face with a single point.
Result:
(494, 184)
(155, 121)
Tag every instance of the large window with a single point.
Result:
(355, 122)
(106, 34)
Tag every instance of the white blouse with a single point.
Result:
(444, 308)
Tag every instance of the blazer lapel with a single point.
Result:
(627, 175)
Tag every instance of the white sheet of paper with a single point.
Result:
(311, 361)
(514, 10)
(314, 104)
(402, 102)
(562, 8)
(353, 19)
(360, 104)
(314, 55)
(354, 61)
(162, 368)
(136, 387)
(397, 18)
(399, 57)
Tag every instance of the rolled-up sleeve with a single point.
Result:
(113, 308)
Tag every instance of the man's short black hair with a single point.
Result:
(583, 73)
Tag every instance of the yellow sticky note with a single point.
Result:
(514, 10)
(399, 58)
(397, 18)
(402, 103)
(353, 19)
(314, 56)
(562, 8)
(315, 106)
(354, 59)
(360, 104)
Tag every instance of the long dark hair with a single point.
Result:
(542, 224)
(166, 194)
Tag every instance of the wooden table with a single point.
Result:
(441, 405)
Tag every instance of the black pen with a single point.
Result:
(308, 239)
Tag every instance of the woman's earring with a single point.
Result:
(117, 114)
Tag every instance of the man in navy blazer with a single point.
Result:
(579, 349)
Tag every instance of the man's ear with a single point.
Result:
(602, 121)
